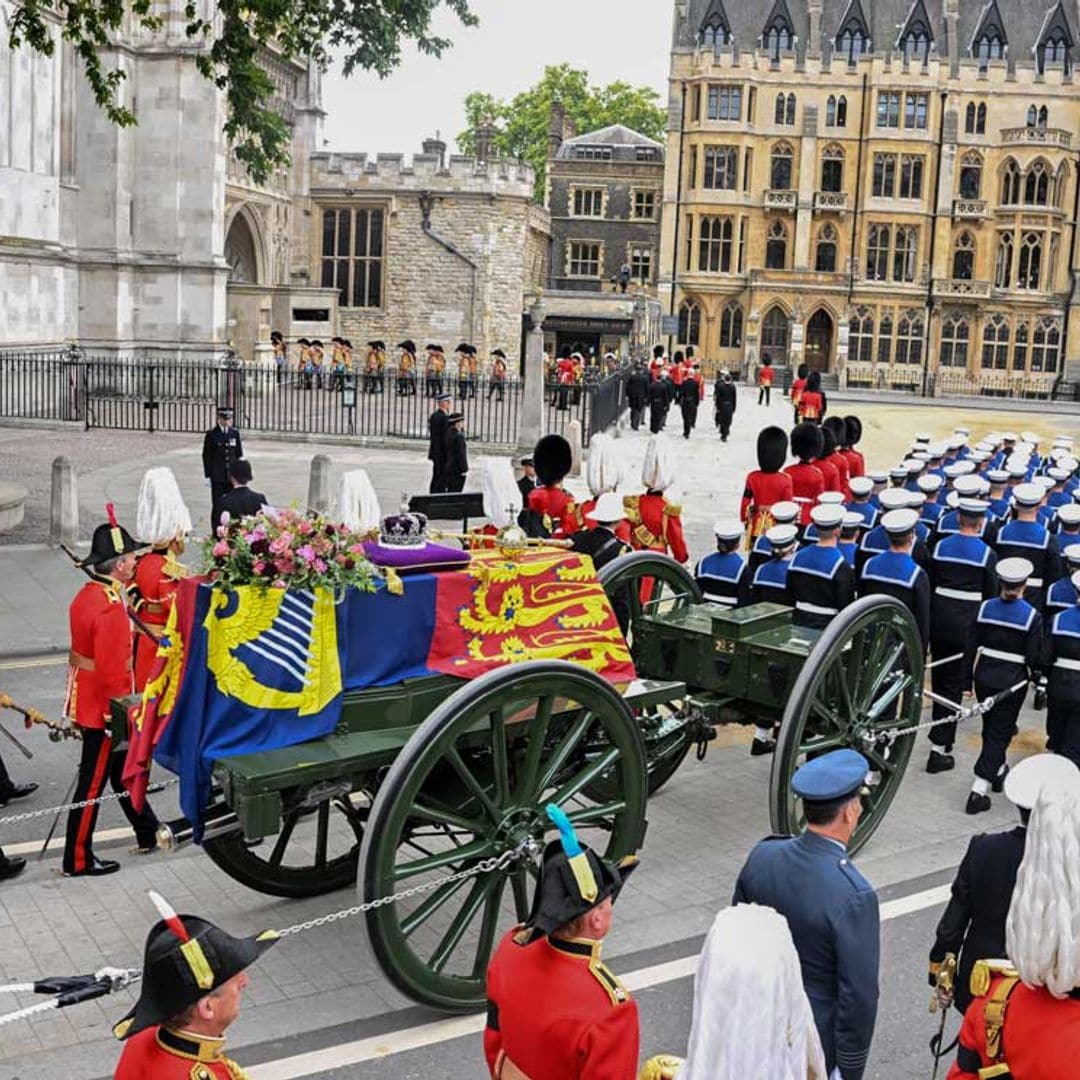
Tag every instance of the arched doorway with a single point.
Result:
(240, 252)
(819, 341)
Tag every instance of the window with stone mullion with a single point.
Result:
(720, 168)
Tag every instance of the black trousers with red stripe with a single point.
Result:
(100, 764)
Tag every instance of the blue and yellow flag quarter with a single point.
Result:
(576, 857)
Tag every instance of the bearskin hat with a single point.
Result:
(678, 358)
(806, 441)
(658, 351)
(771, 449)
(802, 371)
(552, 459)
(836, 425)
(828, 441)
(813, 381)
(854, 430)
(565, 352)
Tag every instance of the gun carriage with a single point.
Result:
(426, 778)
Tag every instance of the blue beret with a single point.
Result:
(831, 776)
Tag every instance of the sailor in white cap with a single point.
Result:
(965, 487)
(1063, 666)
(1062, 593)
(1004, 650)
(602, 541)
(809, 535)
(876, 540)
(820, 580)
(898, 476)
(895, 573)
(861, 501)
(1027, 538)
(1000, 496)
(851, 527)
(1066, 525)
(783, 513)
(963, 572)
(972, 927)
(724, 576)
(915, 468)
(770, 581)
(931, 485)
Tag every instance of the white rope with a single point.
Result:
(30, 1010)
(17, 988)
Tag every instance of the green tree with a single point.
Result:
(522, 122)
(365, 34)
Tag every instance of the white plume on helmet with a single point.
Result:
(162, 515)
(357, 503)
(1042, 932)
(502, 496)
(658, 471)
(604, 466)
(751, 1014)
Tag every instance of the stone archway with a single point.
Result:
(242, 252)
(820, 340)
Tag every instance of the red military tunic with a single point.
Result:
(578, 516)
(694, 376)
(656, 525)
(797, 388)
(829, 474)
(100, 658)
(856, 462)
(156, 580)
(811, 405)
(557, 1013)
(552, 503)
(761, 491)
(807, 483)
(158, 1053)
(1040, 1039)
(839, 463)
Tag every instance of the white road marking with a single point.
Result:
(398, 1042)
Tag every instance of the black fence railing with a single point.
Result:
(596, 403)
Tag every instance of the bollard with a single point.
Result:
(318, 492)
(573, 437)
(63, 505)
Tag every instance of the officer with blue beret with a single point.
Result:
(831, 908)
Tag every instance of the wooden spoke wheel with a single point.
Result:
(861, 682)
(470, 785)
(315, 852)
(637, 584)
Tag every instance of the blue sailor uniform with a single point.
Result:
(770, 582)
(1005, 648)
(849, 549)
(832, 911)
(962, 573)
(760, 553)
(868, 511)
(1032, 541)
(949, 524)
(724, 578)
(930, 514)
(821, 584)
(1060, 596)
(897, 574)
(1058, 498)
(877, 540)
(1000, 508)
(1063, 689)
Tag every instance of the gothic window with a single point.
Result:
(905, 249)
(1054, 49)
(989, 47)
(884, 339)
(715, 29)
(861, 336)
(916, 108)
(1046, 346)
(825, 257)
(888, 108)
(731, 327)
(721, 166)
(851, 44)
(1036, 184)
(789, 114)
(915, 44)
(841, 111)
(1032, 116)
(970, 176)
(955, 337)
(1029, 264)
(776, 246)
(909, 338)
(830, 111)
(995, 343)
(714, 245)
(778, 35)
(884, 177)
(353, 256)
(1043, 115)
(1020, 347)
(1010, 184)
(785, 109)
(877, 253)
(969, 118)
(723, 102)
(1004, 261)
(780, 167)
(689, 324)
(911, 176)
(774, 333)
(963, 260)
(980, 119)
(832, 168)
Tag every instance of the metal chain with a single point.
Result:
(497, 862)
(11, 819)
(966, 713)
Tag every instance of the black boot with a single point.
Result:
(938, 762)
(976, 803)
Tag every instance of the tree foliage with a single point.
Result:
(364, 34)
(522, 123)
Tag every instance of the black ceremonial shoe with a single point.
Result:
(98, 868)
(998, 783)
(18, 791)
(940, 762)
(761, 747)
(12, 867)
(976, 803)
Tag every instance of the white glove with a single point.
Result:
(206, 481)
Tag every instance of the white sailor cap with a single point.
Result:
(827, 515)
(952, 500)
(1072, 552)
(878, 476)
(1014, 570)
(893, 498)
(1017, 469)
(914, 465)
(1069, 462)
(936, 450)
(1069, 514)
(1030, 437)
(964, 431)
(986, 445)
(954, 442)
(1009, 436)
(899, 472)
(978, 456)
(967, 485)
(917, 499)
(1047, 483)
(923, 437)
(998, 476)
(929, 482)
(1058, 474)
(900, 521)
(830, 498)
(728, 529)
(922, 456)
(984, 485)
(857, 521)
(1028, 778)
(954, 470)
(969, 505)
(861, 485)
(782, 536)
(1028, 494)
(1063, 439)
(784, 512)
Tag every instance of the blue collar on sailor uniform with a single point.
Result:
(962, 548)
(1015, 614)
(892, 567)
(819, 561)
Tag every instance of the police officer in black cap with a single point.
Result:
(221, 448)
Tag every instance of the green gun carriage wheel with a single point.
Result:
(471, 784)
(862, 680)
(672, 588)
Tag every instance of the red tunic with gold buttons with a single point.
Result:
(856, 462)
(99, 664)
(557, 1013)
(829, 472)
(159, 1053)
(156, 584)
(807, 483)
(552, 503)
(656, 525)
(578, 516)
(840, 463)
(761, 491)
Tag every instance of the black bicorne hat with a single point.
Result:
(379, 346)
(854, 430)
(806, 441)
(499, 353)
(185, 959)
(772, 444)
(110, 541)
(408, 345)
(828, 441)
(433, 348)
(464, 347)
(552, 459)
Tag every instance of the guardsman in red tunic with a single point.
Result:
(100, 669)
(549, 504)
(807, 480)
(797, 388)
(766, 484)
(812, 400)
(555, 1012)
(162, 520)
(656, 364)
(193, 975)
(655, 523)
(831, 458)
(852, 434)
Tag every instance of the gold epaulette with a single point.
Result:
(174, 570)
(608, 980)
(672, 509)
(632, 506)
(984, 971)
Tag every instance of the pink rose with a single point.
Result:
(306, 553)
(280, 584)
(305, 528)
(320, 566)
(226, 517)
(220, 549)
(259, 566)
(281, 544)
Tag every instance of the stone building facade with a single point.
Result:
(884, 189)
